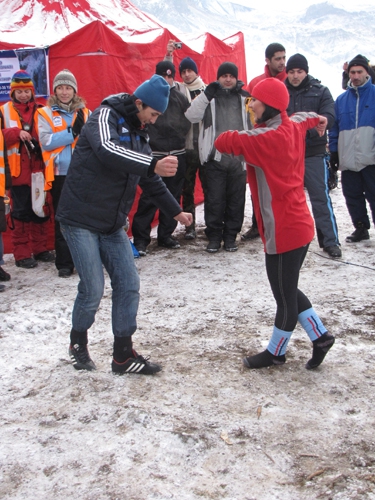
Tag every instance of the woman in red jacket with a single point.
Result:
(30, 232)
(274, 152)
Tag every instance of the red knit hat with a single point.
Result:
(21, 80)
(272, 92)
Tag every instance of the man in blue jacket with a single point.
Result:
(306, 93)
(111, 158)
(351, 143)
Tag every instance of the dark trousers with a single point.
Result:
(193, 165)
(63, 257)
(224, 202)
(283, 274)
(358, 187)
(141, 225)
(316, 182)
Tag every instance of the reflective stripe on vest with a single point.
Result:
(2, 166)
(11, 120)
(49, 156)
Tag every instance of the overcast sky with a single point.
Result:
(290, 5)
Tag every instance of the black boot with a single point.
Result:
(361, 233)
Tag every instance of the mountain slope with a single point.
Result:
(327, 35)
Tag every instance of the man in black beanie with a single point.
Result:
(361, 61)
(351, 143)
(307, 94)
(221, 107)
(167, 137)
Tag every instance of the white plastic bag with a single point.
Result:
(38, 195)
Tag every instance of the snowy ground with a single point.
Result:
(204, 428)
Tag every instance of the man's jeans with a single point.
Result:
(91, 251)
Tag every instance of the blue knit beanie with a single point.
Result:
(154, 93)
(188, 63)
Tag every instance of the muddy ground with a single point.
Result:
(205, 427)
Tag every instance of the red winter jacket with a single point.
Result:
(274, 153)
(28, 163)
(280, 76)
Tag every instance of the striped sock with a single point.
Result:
(279, 341)
(312, 324)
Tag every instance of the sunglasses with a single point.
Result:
(22, 80)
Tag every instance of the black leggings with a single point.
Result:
(283, 274)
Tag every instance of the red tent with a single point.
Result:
(104, 63)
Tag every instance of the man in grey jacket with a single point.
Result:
(221, 107)
(307, 94)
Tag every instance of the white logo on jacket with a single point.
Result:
(57, 121)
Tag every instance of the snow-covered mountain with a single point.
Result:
(325, 33)
(44, 22)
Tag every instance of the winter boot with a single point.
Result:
(361, 233)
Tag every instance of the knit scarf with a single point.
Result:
(197, 84)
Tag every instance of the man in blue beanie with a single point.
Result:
(111, 158)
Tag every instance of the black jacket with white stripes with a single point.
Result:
(111, 158)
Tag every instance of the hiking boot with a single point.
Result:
(168, 243)
(250, 234)
(333, 251)
(230, 246)
(190, 233)
(4, 276)
(45, 256)
(65, 272)
(80, 357)
(26, 263)
(361, 233)
(136, 364)
(213, 246)
(320, 348)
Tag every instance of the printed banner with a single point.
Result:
(33, 61)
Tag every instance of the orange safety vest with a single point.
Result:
(49, 156)
(11, 120)
(2, 166)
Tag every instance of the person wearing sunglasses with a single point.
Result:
(29, 231)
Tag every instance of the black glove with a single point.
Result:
(211, 90)
(333, 179)
(334, 161)
(78, 124)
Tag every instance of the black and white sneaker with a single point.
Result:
(137, 364)
(80, 357)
